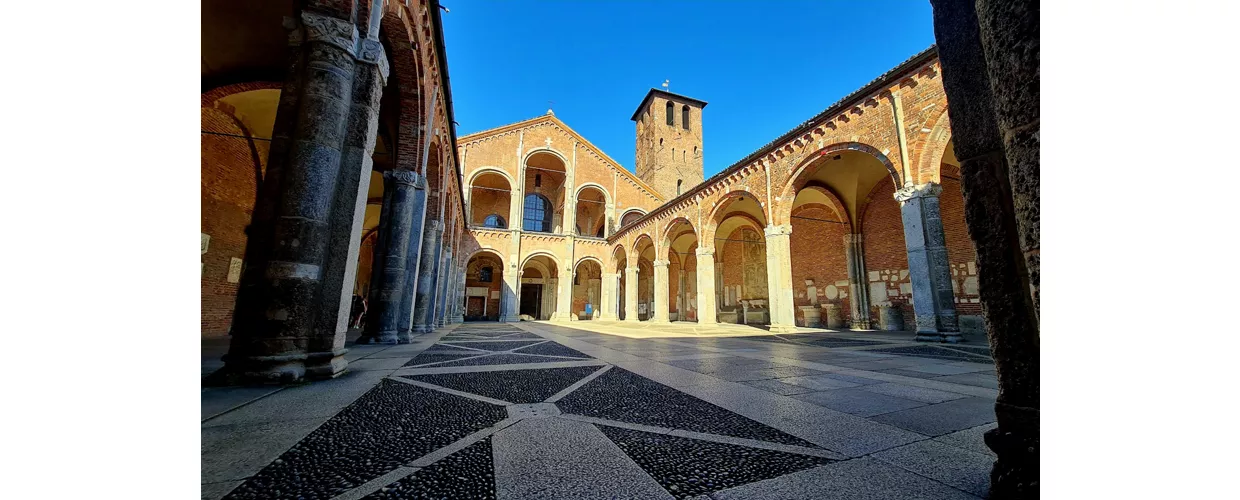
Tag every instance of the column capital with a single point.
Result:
(611, 275)
(406, 177)
(633, 269)
(371, 52)
(705, 252)
(781, 230)
(662, 263)
(314, 27)
(929, 189)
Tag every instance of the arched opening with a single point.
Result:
(591, 212)
(620, 260)
(644, 250)
(543, 206)
(671, 113)
(684, 116)
(631, 216)
(681, 243)
(587, 289)
(833, 192)
(490, 200)
(740, 250)
(539, 282)
(484, 282)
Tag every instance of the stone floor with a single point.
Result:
(614, 410)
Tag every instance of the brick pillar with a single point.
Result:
(779, 278)
(928, 266)
(428, 271)
(707, 309)
(294, 298)
(630, 294)
(399, 233)
(858, 291)
(662, 292)
(990, 57)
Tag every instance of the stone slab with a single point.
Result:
(857, 479)
(319, 399)
(983, 379)
(858, 402)
(963, 469)
(921, 394)
(942, 418)
(556, 458)
(218, 400)
(818, 382)
(971, 439)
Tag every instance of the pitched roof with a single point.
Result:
(666, 95)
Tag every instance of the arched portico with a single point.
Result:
(587, 287)
(485, 287)
(540, 282)
(679, 242)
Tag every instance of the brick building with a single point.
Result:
(331, 169)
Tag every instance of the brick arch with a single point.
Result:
(637, 244)
(835, 205)
(788, 193)
(406, 77)
(615, 258)
(930, 156)
(631, 211)
(664, 241)
(590, 258)
(487, 250)
(595, 185)
(544, 149)
(711, 223)
(222, 91)
(545, 253)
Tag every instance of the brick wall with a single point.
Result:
(960, 251)
(818, 254)
(886, 256)
(228, 193)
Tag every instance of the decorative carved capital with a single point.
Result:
(781, 230)
(662, 263)
(929, 189)
(705, 252)
(405, 177)
(633, 269)
(315, 27)
(372, 53)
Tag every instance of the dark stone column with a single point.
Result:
(293, 304)
(991, 75)
(428, 271)
(445, 278)
(928, 267)
(404, 195)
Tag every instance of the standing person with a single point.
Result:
(357, 310)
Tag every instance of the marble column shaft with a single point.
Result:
(858, 288)
(428, 271)
(295, 297)
(928, 266)
(608, 301)
(779, 278)
(707, 309)
(630, 293)
(662, 292)
(404, 198)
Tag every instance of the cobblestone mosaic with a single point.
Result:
(514, 386)
(466, 474)
(627, 397)
(690, 467)
(837, 342)
(436, 357)
(503, 359)
(493, 346)
(552, 349)
(389, 426)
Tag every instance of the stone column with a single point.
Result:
(444, 280)
(428, 271)
(609, 303)
(779, 278)
(928, 268)
(508, 294)
(990, 53)
(458, 312)
(662, 292)
(294, 298)
(564, 295)
(404, 194)
(707, 309)
(630, 294)
(858, 288)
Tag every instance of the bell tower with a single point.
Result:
(669, 142)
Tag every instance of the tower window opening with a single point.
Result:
(678, 183)
(671, 113)
(684, 117)
(537, 180)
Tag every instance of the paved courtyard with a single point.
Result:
(615, 410)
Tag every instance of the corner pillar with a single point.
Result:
(929, 272)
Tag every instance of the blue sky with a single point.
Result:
(762, 67)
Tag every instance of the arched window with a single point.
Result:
(495, 221)
(484, 275)
(684, 117)
(671, 113)
(538, 213)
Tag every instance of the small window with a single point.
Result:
(678, 184)
(671, 113)
(537, 180)
(484, 274)
(684, 117)
(495, 221)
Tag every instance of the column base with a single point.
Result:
(326, 365)
(276, 369)
(784, 329)
(423, 328)
(510, 319)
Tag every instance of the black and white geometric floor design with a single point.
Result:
(428, 435)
